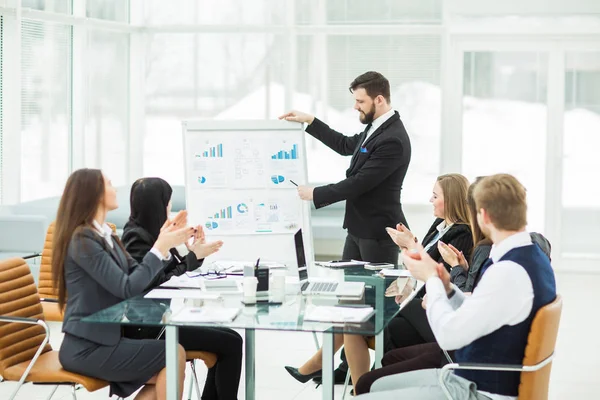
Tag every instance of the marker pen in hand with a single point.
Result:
(293, 183)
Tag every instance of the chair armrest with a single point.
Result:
(34, 255)
(488, 367)
(22, 320)
(48, 300)
(30, 321)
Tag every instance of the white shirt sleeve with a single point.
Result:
(504, 296)
(457, 299)
(158, 254)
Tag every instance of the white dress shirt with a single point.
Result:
(442, 228)
(106, 232)
(377, 123)
(504, 296)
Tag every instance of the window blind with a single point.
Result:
(45, 107)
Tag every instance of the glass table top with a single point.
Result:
(285, 316)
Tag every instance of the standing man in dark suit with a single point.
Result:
(380, 158)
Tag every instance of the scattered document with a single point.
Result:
(180, 294)
(341, 264)
(184, 281)
(396, 273)
(338, 314)
(206, 314)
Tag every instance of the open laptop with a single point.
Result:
(321, 286)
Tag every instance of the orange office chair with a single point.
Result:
(537, 363)
(25, 355)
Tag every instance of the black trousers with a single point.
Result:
(405, 359)
(223, 379)
(373, 250)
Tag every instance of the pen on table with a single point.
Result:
(293, 183)
(257, 262)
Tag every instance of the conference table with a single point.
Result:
(286, 316)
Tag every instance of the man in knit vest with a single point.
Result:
(490, 326)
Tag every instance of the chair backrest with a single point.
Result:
(540, 345)
(18, 298)
(45, 286)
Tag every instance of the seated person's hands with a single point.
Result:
(452, 256)
(171, 237)
(402, 236)
(200, 247)
(419, 263)
(178, 222)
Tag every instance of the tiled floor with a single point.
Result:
(575, 373)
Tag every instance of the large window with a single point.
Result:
(580, 227)
(1, 97)
(193, 76)
(214, 12)
(504, 121)
(327, 65)
(46, 108)
(106, 105)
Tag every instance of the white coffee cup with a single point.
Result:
(249, 284)
(277, 286)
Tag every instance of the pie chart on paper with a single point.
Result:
(201, 179)
(242, 208)
(277, 179)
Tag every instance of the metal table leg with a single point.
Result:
(327, 367)
(378, 349)
(250, 364)
(171, 341)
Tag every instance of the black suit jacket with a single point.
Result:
(374, 180)
(138, 242)
(459, 236)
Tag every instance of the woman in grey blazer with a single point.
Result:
(91, 266)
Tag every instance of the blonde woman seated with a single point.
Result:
(451, 226)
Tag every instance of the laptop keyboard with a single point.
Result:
(324, 287)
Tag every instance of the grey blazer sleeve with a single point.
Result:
(90, 256)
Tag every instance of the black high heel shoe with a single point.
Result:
(299, 377)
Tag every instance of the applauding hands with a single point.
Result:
(423, 267)
(402, 237)
(175, 232)
(452, 256)
(200, 247)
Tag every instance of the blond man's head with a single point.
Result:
(503, 200)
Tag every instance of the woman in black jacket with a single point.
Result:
(150, 201)
(410, 326)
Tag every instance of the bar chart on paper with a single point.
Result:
(286, 155)
(212, 152)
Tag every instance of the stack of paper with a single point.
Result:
(180, 294)
(399, 273)
(206, 314)
(341, 264)
(338, 314)
(184, 281)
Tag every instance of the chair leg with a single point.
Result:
(195, 379)
(316, 340)
(191, 381)
(73, 390)
(346, 384)
(52, 393)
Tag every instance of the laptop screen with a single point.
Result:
(300, 257)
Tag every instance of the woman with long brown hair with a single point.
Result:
(91, 266)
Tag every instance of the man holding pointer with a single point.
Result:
(380, 159)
